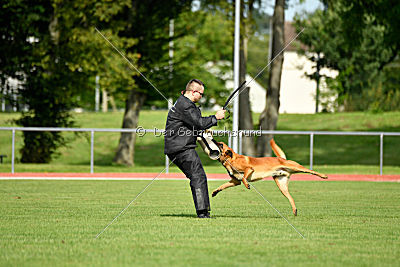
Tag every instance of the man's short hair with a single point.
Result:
(189, 84)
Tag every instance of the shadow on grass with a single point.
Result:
(182, 215)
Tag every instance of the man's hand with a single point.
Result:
(220, 114)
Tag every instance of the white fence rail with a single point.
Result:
(160, 131)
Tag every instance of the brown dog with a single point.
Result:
(249, 169)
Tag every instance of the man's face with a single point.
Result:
(197, 92)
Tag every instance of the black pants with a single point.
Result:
(190, 164)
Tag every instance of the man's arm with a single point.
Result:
(192, 116)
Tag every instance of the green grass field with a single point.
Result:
(332, 154)
(54, 223)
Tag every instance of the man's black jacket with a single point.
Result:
(184, 123)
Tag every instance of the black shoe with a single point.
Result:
(203, 216)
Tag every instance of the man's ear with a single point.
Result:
(228, 153)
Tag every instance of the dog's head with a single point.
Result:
(226, 151)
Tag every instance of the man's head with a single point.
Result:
(194, 90)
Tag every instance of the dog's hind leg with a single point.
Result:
(231, 183)
(283, 184)
(294, 167)
(304, 170)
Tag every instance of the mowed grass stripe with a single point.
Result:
(55, 222)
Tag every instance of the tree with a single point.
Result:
(50, 49)
(204, 52)
(194, 46)
(269, 117)
(358, 15)
(248, 26)
(245, 113)
(147, 22)
(372, 26)
(359, 48)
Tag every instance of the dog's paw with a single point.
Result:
(245, 183)
(215, 192)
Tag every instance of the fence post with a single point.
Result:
(381, 155)
(91, 151)
(311, 150)
(13, 151)
(166, 164)
(240, 141)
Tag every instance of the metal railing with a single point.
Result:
(314, 133)
(241, 133)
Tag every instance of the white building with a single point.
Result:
(298, 92)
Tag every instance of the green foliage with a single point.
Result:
(258, 58)
(385, 94)
(359, 57)
(52, 48)
(359, 14)
(261, 25)
(54, 52)
(148, 23)
(203, 54)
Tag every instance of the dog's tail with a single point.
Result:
(277, 150)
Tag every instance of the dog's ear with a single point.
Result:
(220, 144)
(229, 153)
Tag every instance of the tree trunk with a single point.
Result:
(245, 115)
(112, 102)
(269, 117)
(104, 102)
(126, 148)
(246, 123)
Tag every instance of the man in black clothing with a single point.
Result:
(184, 123)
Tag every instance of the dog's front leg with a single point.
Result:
(233, 182)
(247, 173)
